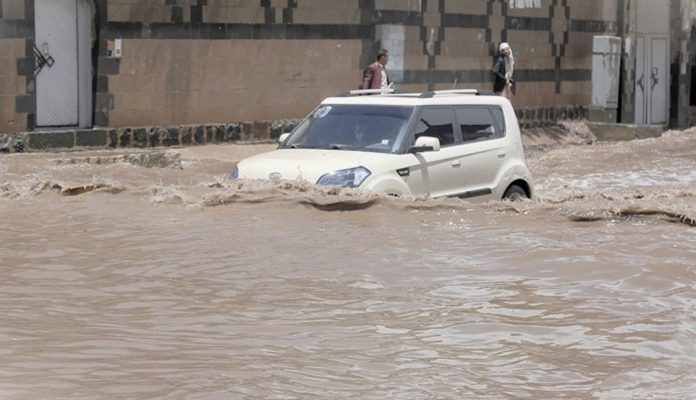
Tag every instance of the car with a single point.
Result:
(463, 143)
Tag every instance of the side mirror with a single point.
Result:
(425, 143)
(282, 137)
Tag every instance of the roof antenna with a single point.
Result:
(455, 83)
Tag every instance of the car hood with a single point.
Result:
(308, 164)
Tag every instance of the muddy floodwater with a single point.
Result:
(149, 275)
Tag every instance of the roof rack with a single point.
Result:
(370, 91)
(476, 92)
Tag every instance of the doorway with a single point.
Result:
(63, 50)
(652, 62)
(651, 79)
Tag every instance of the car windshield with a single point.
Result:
(352, 127)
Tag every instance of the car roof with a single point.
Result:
(444, 97)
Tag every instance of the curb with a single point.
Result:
(187, 135)
(144, 137)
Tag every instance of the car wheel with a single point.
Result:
(515, 193)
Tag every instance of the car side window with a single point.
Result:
(480, 123)
(499, 120)
(436, 122)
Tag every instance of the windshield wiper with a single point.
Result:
(343, 147)
(331, 147)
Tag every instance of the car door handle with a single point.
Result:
(501, 154)
(456, 164)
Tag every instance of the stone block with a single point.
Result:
(260, 130)
(247, 130)
(108, 66)
(125, 137)
(140, 137)
(51, 140)
(562, 113)
(12, 9)
(210, 134)
(186, 135)
(219, 132)
(24, 103)
(233, 132)
(101, 118)
(198, 135)
(5, 143)
(113, 138)
(170, 137)
(279, 127)
(154, 137)
(25, 66)
(19, 142)
(91, 138)
(5, 140)
(582, 112)
(104, 102)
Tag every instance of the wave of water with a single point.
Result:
(671, 205)
(12, 190)
(653, 178)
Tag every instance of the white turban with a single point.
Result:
(509, 60)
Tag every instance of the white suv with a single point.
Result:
(463, 143)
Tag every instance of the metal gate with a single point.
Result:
(57, 81)
(651, 79)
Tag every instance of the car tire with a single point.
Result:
(515, 193)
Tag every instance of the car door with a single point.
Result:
(435, 173)
(482, 150)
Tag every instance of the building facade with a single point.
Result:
(126, 63)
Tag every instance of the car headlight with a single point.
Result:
(235, 173)
(351, 178)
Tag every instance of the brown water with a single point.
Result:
(149, 275)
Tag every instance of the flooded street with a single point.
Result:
(151, 275)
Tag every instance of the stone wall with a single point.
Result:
(15, 106)
(145, 136)
(683, 60)
(194, 62)
(217, 61)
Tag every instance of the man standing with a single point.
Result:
(503, 70)
(375, 75)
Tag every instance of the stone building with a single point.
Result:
(129, 63)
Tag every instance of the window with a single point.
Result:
(480, 123)
(525, 3)
(499, 120)
(436, 122)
